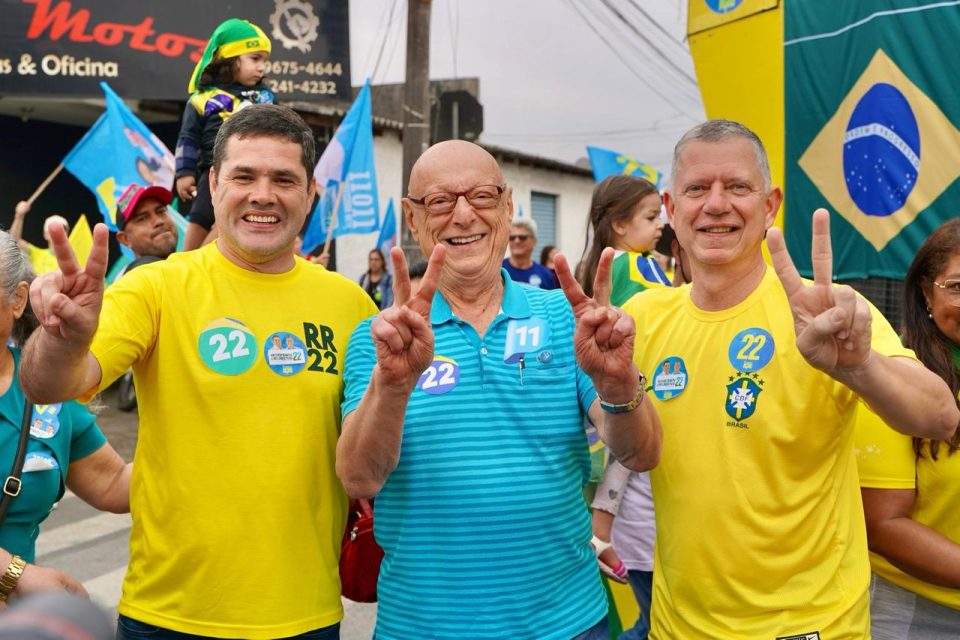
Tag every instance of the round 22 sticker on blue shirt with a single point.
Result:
(440, 377)
(751, 350)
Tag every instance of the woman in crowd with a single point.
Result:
(377, 281)
(64, 448)
(546, 257)
(910, 486)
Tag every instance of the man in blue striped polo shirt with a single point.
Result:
(463, 414)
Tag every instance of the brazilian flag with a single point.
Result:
(872, 115)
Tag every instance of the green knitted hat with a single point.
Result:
(232, 38)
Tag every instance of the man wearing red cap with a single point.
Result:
(143, 224)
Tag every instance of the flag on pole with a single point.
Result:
(117, 151)
(347, 166)
(608, 163)
(388, 234)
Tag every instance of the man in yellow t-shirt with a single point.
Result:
(237, 511)
(760, 531)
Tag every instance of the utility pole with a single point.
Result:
(416, 103)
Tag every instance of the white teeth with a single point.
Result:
(719, 229)
(466, 240)
(253, 218)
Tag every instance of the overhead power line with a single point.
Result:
(629, 65)
(663, 56)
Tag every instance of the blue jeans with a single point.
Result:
(130, 629)
(599, 631)
(642, 584)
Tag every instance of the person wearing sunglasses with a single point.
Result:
(520, 263)
(911, 486)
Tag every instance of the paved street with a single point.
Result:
(92, 546)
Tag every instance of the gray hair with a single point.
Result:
(14, 269)
(527, 223)
(719, 131)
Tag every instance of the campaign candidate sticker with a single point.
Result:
(670, 378)
(442, 376)
(45, 421)
(39, 462)
(751, 349)
(524, 336)
(285, 353)
(227, 346)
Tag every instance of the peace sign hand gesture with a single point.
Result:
(67, 301)
(603, 339)
(832, 323)
(402, 335)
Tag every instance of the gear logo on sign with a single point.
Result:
(294, 24)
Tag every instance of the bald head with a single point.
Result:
(447, 161)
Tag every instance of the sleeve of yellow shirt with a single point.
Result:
(885, 458)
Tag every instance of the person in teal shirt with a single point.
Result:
(65, 447)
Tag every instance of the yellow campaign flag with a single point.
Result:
(81, 239)
(833, 153)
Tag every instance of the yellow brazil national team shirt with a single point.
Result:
(886, 460)
(237, 511)
(760, 531)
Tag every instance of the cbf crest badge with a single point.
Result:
(743, 392)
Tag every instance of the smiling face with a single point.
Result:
(249, 68)
(942, 302)
(521, 243)
(642, 230)
(719, 206)
(475, 239)
(261, 195)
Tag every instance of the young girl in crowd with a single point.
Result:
(625, 215)
(228, 77)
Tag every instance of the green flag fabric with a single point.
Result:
(872, 117)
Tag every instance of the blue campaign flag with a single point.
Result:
(117, 151)
(608, 163)
(347, 165)
(316, 232)
(388, 234)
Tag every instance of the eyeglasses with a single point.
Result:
(951, 289)
(485, 196)
(521, 237)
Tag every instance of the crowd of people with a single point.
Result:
(737, 401)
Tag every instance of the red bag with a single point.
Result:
(360, 555)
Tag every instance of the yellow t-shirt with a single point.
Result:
(760, 530)
(886, 460)
(237, 511)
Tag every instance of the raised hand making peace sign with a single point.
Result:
(603, 340)
(402, 335)
(67, 302)
(832, 323)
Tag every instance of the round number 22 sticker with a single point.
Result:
(440, 377)
(751, 350)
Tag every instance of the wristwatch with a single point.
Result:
(9, 580)
(627, 406)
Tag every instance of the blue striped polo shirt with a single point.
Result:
(483, 523)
